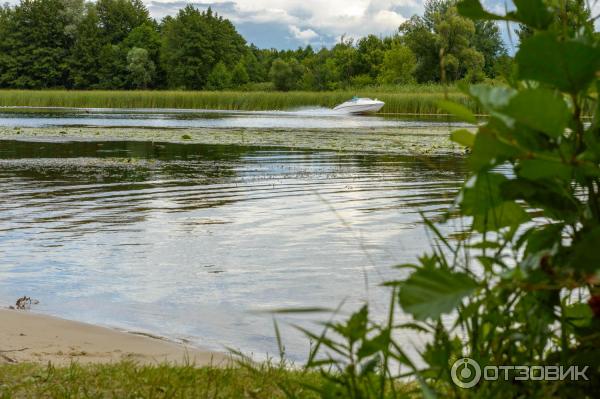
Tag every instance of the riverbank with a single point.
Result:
(27, 337)
(409, 141)
(409, 100)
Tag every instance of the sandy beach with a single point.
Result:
(31, 337)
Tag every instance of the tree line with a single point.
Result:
(115, 44)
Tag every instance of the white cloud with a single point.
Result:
(308, 20)
(305, 36)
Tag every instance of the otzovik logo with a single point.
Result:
(465, 373)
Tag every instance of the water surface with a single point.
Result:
(313, 118)
(194, 242)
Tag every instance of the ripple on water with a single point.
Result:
(189, 240)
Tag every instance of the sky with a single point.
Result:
(285, 24)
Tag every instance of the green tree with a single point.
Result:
(488, 42)
(455, 35)
(186, 52)
(141, 68)
(147, 36)
(239, 75)
(119, 17)
(193, 43)
(256, 71)
(371, 50)
(84, 57)
(398, 66)
(443, 36)
(423, 43)
(112, 71)
(36, 37)
(346, 59)
(219, 78)
(286, 76)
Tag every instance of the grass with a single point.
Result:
(401, 100)
(128, 380)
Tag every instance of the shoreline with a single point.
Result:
(27, 337)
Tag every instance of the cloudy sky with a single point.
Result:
(293, 23)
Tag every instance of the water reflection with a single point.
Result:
(189, 240)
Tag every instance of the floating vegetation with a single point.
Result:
(410, 140)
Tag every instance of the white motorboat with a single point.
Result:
(360, 106)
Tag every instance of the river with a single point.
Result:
(199, 242)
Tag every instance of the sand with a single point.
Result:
(31, 337)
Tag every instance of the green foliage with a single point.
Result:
(431, 292)
(239, 75)
(119, 17)
(519, 285)
(449, 46)
(194, 43)
(77, 45)
(84, 60)
(34, 44)
(398, 66)
(286, 75)
(141, 68)
(219, 78)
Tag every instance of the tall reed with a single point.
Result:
(406, 102)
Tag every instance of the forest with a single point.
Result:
(116, 45)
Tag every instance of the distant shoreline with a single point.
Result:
(27, 337)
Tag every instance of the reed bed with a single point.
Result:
(400, 102)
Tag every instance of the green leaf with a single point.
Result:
(543, 238)
(489, 151)
(507, 214)
(482, 193)
(458, 110)
(485, 245)
(428, 292)
(585, 252)
(371, 346)
(540, 109)
(536, 169)
(533, 13)
(474, 10)
(556, 200)
(579, 314)
(356, 327)
(463, 137)
(492, 97)
(568, 65)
